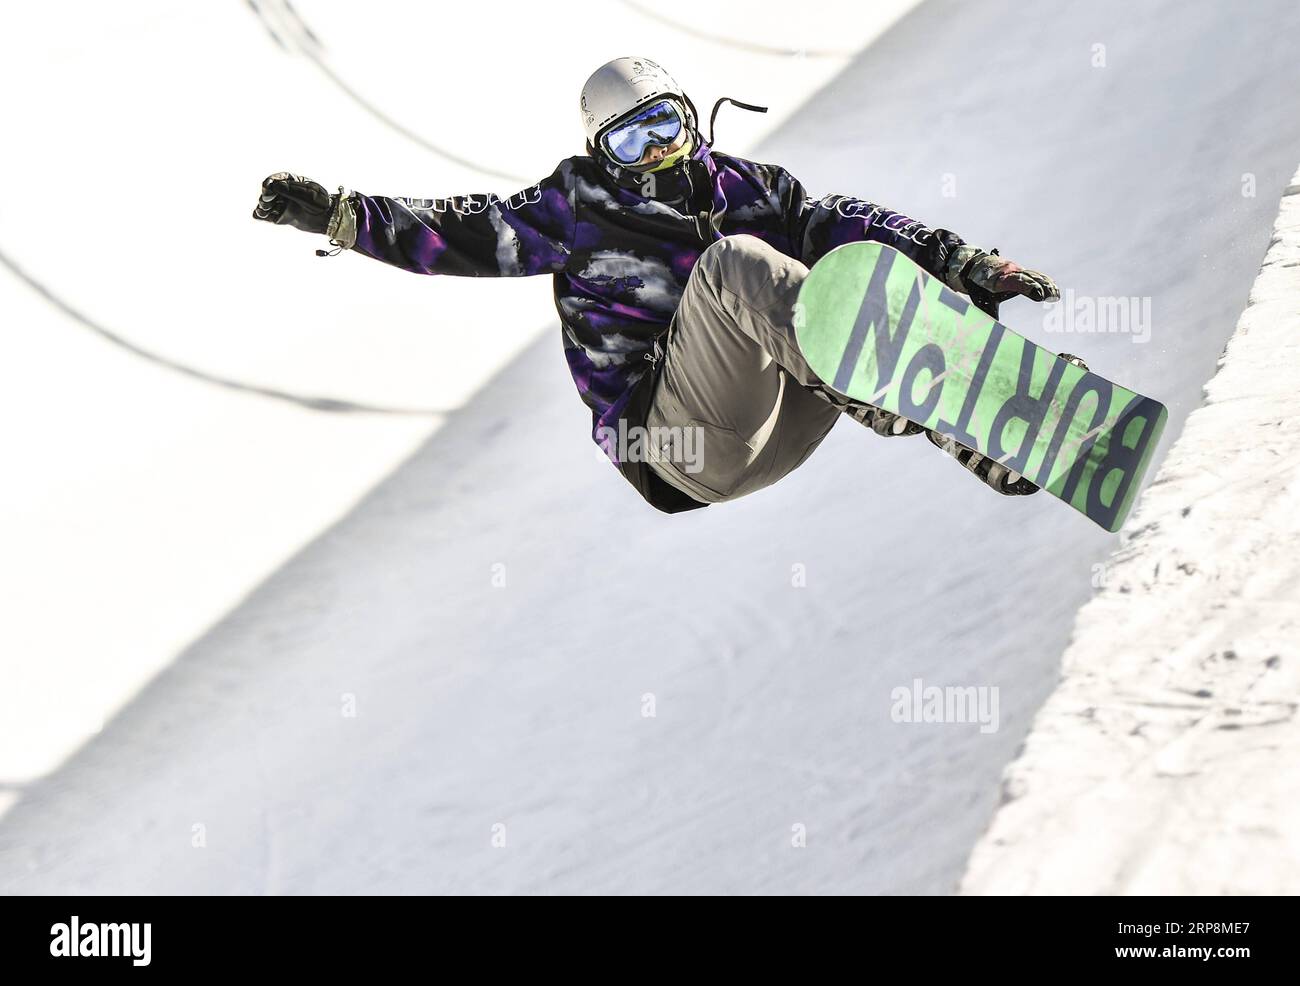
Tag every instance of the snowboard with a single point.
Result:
(878, 329)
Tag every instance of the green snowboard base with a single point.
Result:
(878, 329)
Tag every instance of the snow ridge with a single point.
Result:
(1166, 761)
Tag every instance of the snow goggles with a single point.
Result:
(656, 125)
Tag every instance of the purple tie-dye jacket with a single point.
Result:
(621, 247)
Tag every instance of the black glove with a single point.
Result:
(290, 200)
(1000, 278)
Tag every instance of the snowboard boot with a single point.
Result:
(1006, 481)
(884, 423)
(992, 473)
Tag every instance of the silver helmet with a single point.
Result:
(619, 87)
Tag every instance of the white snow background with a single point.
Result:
(141, 504)
(311, 580)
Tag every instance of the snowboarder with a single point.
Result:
(676, 269)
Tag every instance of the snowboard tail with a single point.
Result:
(879, 329)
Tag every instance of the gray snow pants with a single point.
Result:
(732, 408)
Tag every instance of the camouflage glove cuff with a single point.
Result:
(342, 225)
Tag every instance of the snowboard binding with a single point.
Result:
(992, 473)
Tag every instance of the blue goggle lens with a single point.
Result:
(658, 124)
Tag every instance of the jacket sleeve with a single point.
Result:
(531, 232)
(818, 226)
